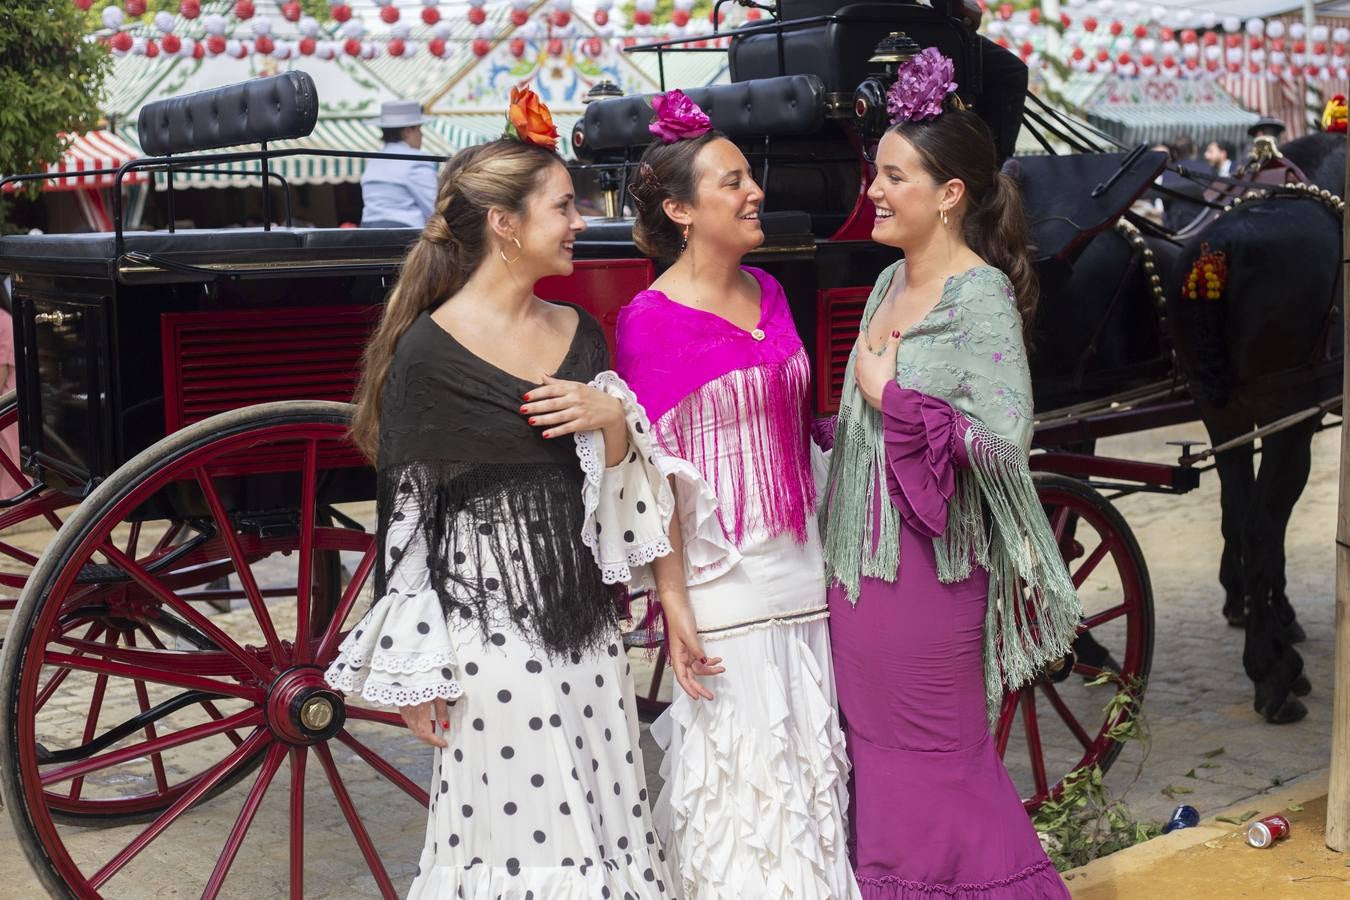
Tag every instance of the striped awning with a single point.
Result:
(328, 134)
(90, 152)
(1157, 110)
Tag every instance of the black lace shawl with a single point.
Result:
(489, 492)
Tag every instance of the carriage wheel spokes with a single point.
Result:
(186, 713)
(1074, 728)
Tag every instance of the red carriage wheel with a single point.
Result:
(1059, 723)
(129, 696)
(36, 514)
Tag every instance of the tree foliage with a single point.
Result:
(51, 76)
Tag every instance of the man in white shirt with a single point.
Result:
(1219, 154)
(399, 193)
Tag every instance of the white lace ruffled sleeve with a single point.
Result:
(629, 506)
(400, 653)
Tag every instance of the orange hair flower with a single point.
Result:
(528, 119)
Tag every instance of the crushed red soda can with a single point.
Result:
(1265, 832)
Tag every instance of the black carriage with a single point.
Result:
(182, 414)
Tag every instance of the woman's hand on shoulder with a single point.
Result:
(566, 407)
(873, 372)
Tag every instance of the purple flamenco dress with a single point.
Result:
(935, 814)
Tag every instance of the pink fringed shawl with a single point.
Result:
(694, 373)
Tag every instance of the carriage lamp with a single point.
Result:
(610, 180)
(869, 99)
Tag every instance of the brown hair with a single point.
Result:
(502, 174)
(666, 171)
(957, 144)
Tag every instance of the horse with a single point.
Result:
(1262, 350)
(1253, 301)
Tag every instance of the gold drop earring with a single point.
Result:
(942, 213)
(684, 239)
(502, 253)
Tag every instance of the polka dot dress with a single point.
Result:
(540, 792)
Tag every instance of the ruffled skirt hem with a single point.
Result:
(1038, 881)
(756, 780)
(635, 875)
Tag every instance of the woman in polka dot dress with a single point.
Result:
(494, 631)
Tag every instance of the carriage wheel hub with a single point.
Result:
(302, 708)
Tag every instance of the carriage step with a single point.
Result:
(101, 573)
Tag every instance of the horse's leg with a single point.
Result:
(1269, 659)
(1290, 456)
(1237, 482)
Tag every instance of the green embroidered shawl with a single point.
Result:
(969, 352)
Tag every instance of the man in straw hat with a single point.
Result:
(399, 193)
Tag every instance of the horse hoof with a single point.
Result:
(1301, 687)
(1290, 709)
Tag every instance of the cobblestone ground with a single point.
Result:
(1208, 748)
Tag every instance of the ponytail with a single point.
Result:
(996, 229)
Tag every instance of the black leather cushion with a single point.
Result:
(100, 245)
(1057, 195)
(838, 51)
(792, 105)
(264, 109)
(607, 231)
(371, 242)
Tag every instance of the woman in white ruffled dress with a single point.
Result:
(494, 631)
(755, 797)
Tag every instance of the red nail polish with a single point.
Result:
(527, 398)
(532, 422)
(547, 435)
(703, 659)
(895, 333)
(523, 409)
(445, 724)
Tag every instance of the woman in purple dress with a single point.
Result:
(931, 524)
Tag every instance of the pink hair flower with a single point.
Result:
(921, 84)
(677, 118)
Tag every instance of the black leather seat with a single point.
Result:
(262, 109)
(838, 51)
(367, 241)
(102, 245)
(771, 107)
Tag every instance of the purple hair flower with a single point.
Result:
(677, 118)
(921, 84)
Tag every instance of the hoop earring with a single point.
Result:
(684, 239)
(502, 253)
(943, 214)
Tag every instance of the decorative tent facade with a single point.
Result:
(1156, 110)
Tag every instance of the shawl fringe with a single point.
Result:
(760, 469)
(501, 537)
(1034, 610)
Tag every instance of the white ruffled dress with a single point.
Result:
(541, 792)
(755, 801)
